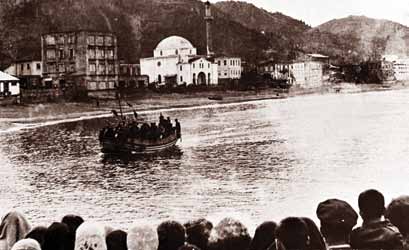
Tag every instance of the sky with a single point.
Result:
(316, 12)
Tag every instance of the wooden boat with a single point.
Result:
(136, 145)
(216, 98)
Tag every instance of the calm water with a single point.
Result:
(254, 161)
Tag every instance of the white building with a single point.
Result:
(229, 67)
(29, 72)
(306, 74)
(401, 69)
(9, 85)
(175, 62)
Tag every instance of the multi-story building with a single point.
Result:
(9, 85)
(130, 76)
(228, 68)
(28, 71)
(306, 74)
(401, 69)
(84, 59)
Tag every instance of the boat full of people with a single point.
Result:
(132, 137)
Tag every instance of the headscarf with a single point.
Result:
(230, 234)
(171, 235)
(57, 237)
(198, 232)
(142, 238)
(38, 234)
(116, 240)
(26, 244)
(13, 228)
(73, 222)
(316, 240)
(264, 236)
(90, 236)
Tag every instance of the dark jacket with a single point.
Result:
(377, 235)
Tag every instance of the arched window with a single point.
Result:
(159, 78)
(161, 53)
(208, 78)
(194, 78)
(159, 64)
(176, 52)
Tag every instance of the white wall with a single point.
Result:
(14, 87)
(232, 69)
(401, 68)
(150, 67)
(172, 52)
(307, 74)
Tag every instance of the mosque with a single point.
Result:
(175, 61)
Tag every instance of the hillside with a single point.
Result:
(138, 24)
(370, 38)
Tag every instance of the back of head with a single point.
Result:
(72, 221)
(264, 236)
(13, 228)
(231, 234)
(116, 240)
(371, 204)
(189, 247)
(90, 235)
(56, 237)
(292, 233)
(26, 244)
(142, 237)
(337, 219)
(316, 241)
(171, 235)
(38, 234)
(198, 232)
(398, 213)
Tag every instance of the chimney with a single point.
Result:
(208, 19)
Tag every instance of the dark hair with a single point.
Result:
(398, 213)
(57, 237)
(292, 232)
(264, 236)
(171, 235)
(198, 232)
(116, 240)
(371, 204)
(189, 247)
(38, 234)
(316, 241)
(73, 222)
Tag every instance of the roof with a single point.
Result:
(7, 77)
(174, 42)
(318, 56)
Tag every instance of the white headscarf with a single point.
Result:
(26, 244)
(90, 236)
(142, 238)
(13, 228)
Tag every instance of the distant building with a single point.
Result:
(84, 59)
(130, 76)
(175, 62)
(401, 69)
(28, 71)
(9, 85)
(306, 74)
(229, 68)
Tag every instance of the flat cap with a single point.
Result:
(337, 212)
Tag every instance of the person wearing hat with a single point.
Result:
(337, 219)
(375, 233)
(398, 213)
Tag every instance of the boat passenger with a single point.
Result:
(38, 234)
(230, 234)
(73, 222)
(398, 213)
(198, 232)
(264, 236)
(90, 236)
(374, 233)
(26, 244)
(171, 235)
(57, 237)
(291, 234)
(116, 240)
(142, 237)
(178, 129)
(13, 228)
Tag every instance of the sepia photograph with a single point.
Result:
(204, 125)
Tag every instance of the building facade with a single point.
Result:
(401, 69)
(130, 76)
(175, 62)
(29, 72)
(9, 85)
(83, 59)
(229, 67)
(307, 74)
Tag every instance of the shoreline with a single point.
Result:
(49, 112)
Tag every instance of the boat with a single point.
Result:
(216, 97)
(114, 145)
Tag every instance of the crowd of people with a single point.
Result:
(143, 131)
(382, 228)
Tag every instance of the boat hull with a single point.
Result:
(133, 146)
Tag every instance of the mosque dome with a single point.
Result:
(174, 42)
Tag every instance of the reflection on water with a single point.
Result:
(260, 160)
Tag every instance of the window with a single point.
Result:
(193, 65)
(71, 39)
(225, 62)
(91, 53)
(111, 85)
(102, 85)
(161, 53)
(208, 78)
(51, 67)
(61, 39)
(28, 66)
(61, 68)
(208, 65)
(38, 66)
(101, 69)
(181, 78)
(111, 69)
(159, 64)
(50, 54)
(22, 67)
(61, 54)
(176, 52)
(99, 41)
(159, 78)
(71, 53)
(110, 53)
(72, 67)
(91, 40)
(108, 41)
(92, 85)
(180, 67)
(218, 62)
(13, 83)
(50, 40)
(194, 78)
(92, 68)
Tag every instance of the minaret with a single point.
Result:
(208, 19)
